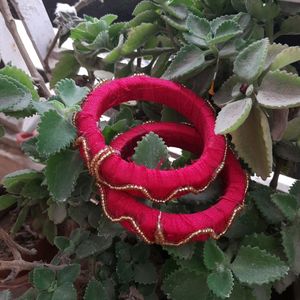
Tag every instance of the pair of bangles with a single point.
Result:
(121, 182)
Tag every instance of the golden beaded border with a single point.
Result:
(107, 151)
(159, 237)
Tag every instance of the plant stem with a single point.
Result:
(18, 264)
(269, 27)
(83, 3)
(11, 25)
(274, 181)
(171, 36)
(152, 51)
(50, 49)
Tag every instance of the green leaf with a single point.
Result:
(286, 57)
(62, 242)
(95, 290)
(213, 256)
(263, 11)
(279, 89)
(145, 273)
(20, 219)
(143, 6)
(7, 201)
(255, 266)
(287, 204)
(295, 189)
(49, 230)
(193, 39)
(239, 5)
(292, 132)
(224, 93)
(220, 283)
(69, 92)
(262, 199)
(140, 253)
(185, 284)
(226, 31)
(150, 151)
(29, 148)
(68, 274)
(287, 150)
(94, 245)
(248, 222)
(124, 271)
(15, 181)
(198, 26)
(79, 214)
(44, 295)
(20, 76)
(34, 189)
(109, 18)
(273, 50)
(57, 212)
(170, 115)
(5, 295)
(264, 242)
(290, 26)
(254, 144)
(250, 62)
(147, 16)
(42, 278)
(137, 37)
(106, 228)
(160, 65)
(55, 133)
(188, 61)
(216, 22)
(241, 292)
(291, 244)
(233, 115)
(65, 292)
(177, 11)
(12, 96)
(66, 67)
(182, 252)
(61, 172)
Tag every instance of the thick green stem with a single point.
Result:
(269, 27)
(153, 51)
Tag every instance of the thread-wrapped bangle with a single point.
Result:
(157, 185)
(164, 228)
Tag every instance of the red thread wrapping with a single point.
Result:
(160, 183)
(177, 228)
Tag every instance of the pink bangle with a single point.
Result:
(158, 185)
(159, 227)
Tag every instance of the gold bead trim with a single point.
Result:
(99, 158)
(159, 237)
(122, 218)
(74, 118)
(101, 81)
(107, 151)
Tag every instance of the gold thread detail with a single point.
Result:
(101, 81)
(159, 235)
(74, 118)
(97, 162)
(210, 231)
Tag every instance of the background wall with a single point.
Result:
(122, 8)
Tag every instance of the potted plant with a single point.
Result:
(225, 51)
